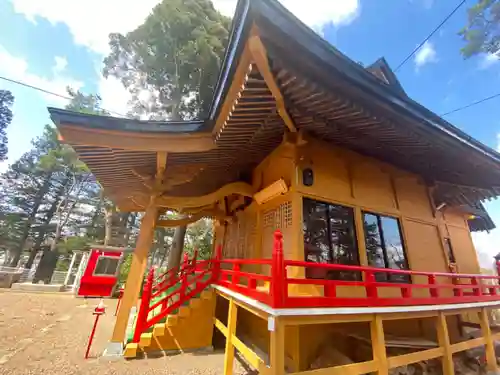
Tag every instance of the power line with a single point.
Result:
(471, 104)
(430, 35)
(51, 93)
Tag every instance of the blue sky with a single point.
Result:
(56, 43)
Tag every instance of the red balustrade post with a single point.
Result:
(476, 290)
(457, 292)
(235, 279)
(184, 276)
(432, 281)
(278, 283)
(252, 283)
(371, 285)
(142, 314)
(216, 264)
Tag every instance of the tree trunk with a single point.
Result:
(175, 255)
(43, 229)
(29, 222)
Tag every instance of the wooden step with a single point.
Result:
(131, 350)
(159, 329)
(146, 339)
(194, 303)
(172, 320)
(207, 294)
(184, 311)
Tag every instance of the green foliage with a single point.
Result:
(175, 55)
(482, 33)
(6, 102)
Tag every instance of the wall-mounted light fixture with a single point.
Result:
(270, 192)
(307, 177)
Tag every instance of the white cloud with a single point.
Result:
(425, 55)
(17, 68)
(489, 60)
(60, 64)
(90, 22)
(486, 245)
(114, 96)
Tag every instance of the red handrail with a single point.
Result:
(418, 288)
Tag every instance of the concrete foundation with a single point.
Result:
(38, 288)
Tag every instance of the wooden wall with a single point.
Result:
(350, 179)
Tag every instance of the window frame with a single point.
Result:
(383, 244)
(356, 275)
(94, 272)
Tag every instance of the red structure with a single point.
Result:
(426, 288)
(101, 273)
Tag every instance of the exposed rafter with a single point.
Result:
(214, 213)
(259, 56)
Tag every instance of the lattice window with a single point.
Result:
(277, 218)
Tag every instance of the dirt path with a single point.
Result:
(48, 333)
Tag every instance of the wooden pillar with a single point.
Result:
(444, 342)
(491, 359)
(378, 345)
(277, 347)
(231, 331)
(136, 274)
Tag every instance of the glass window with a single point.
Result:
(329, 237)
(384, 246)
(106, 266)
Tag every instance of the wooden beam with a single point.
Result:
(169, 223)
(259, 55)
(239, 78)
(444, 342)
(491, 359)
(466, 345)
(161, 165)
(350, 369)
(277, 348)
(408, 359)
(378, 345)
(231, 331)
(240, 188)
(147, 141)
(136, 273)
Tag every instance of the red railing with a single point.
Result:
(170, 290)
(366, 287)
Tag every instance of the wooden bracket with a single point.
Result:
(259, 56)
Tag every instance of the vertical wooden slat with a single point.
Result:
(444, 342)
(278, 348)
(491, 359)
(378, 345)
(231, 330)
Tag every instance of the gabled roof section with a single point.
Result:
(382, 71)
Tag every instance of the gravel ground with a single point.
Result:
(48, 333)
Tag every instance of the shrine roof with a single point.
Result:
(327, 95)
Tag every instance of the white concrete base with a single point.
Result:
(38, 288)
(114, 350)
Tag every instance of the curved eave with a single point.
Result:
(104, 131)
(279, 26)
(62, 116)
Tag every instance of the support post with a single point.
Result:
(278, 283)
(231, 331)
(444, 342)
(491, 360)
(71, 264)
(277, 348)
(134, 280)
(378, 345)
